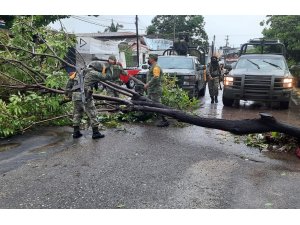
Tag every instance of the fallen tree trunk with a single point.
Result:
(266, 123)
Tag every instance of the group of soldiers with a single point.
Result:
(83, 99)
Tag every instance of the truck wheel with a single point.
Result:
(130, 84)
(284, 105)
(227, 101)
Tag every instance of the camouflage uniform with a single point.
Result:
(91, 78)
(154, 77)
(213, 75)
(115, 70)
(213, 83)
(154, 90)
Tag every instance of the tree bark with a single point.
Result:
(239, 127)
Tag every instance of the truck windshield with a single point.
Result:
(261, 64)
(175, 63)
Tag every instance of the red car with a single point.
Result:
(125, 79)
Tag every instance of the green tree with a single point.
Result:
(151, 30)
(287, 30)
(113, 27)
(24, 65)
(38, 21)
(194, 25)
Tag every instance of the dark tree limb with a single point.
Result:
(37, 54)
(46, 120)
(12, 78)
(132, 92)
(25, 66)
(239, 127)
(115, 89)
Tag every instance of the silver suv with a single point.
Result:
(188, 71)
(259, 77)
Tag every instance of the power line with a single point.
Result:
(87, 21)
(142, 23)
(131, 29)
(118, 21)
(103, 19)
(98, 24)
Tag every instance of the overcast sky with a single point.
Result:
(238, 19)
(239, 28)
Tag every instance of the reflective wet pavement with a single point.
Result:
(249, 110)
(142, 166)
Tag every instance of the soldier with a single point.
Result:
(223, 70)
(181, 45)
(114, 69)
(92, 75)
(153, 85)
(213, 75)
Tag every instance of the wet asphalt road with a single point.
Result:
(142, 166)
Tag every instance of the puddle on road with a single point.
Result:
(56, 139)
(247, 110)
(6, 147)
(33, 145)
(281, 156)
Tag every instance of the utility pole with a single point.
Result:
(213, 46)
(137, 41)
(227, 41)
(174, 29)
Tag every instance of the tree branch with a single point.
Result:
(12, 78)
(38, 54)
(47, 120)
(25, 66)
(239, 127)
(115, 89)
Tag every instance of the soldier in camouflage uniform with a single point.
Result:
(92, 75)
(213, 76)
(153, 85)
(115, 69)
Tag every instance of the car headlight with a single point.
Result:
(287, 82)
(188, 80)
(228, 80)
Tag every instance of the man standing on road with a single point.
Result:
(92, 75)
(213, 75)
(115, 69)
(154, 86)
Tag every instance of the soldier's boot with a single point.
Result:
(97, 134)
(212, 99)
(216, 99)
(76, 132)
(163, 123)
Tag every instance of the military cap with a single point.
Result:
(112, 57)
(96, 65)
(153, 56)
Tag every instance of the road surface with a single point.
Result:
(142, 166)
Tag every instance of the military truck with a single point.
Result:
(260, 74)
